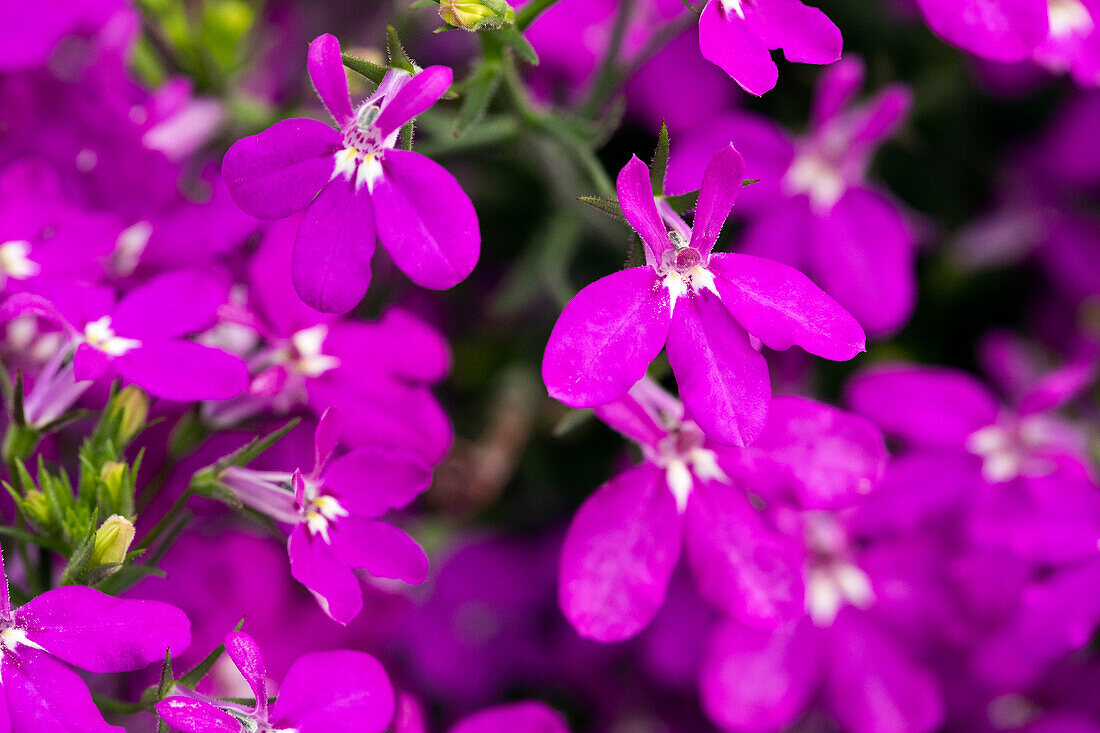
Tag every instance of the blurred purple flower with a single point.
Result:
(416, 208)
(703, 305)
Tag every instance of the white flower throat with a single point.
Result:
(361, 157)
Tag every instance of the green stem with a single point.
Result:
(609, 65)
(165, 521)
(526, 15)
(118, 707)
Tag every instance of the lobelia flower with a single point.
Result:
(140, 337)
(333, 511)
(624, 542)
(85, 628)
(325, 692)
(378, 375)
(704, 305)
(813, 208)
(354, 186)
(739, 36)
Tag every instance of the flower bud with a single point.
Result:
(113, 475)
(130, 407)
(473, 15)
(112, 541)
(37, 509)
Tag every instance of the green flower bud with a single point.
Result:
(37, 509)
(112, 541)
(130, 407)
(474, 15)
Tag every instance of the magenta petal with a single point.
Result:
(925, 405)
(280, 170)
(606, 338)
(314, 564)
(759, 680)
(89, 363)
(326, 437)
(619, 554)
(245, 653)
(195, 716)
(863, 254)
(426, 221)
(184, 371)
(729, 43)
(173, 304)
(414, 97)
(639, 207)
(1002, 30)
(741, 565)
(410, 716)
(836, 457)
(804, 33)
(782, 307)
(836, 87)
(29, 304)
(519, 717)
(721, 185)
(371, 481)
(330, 264)
(45, 696)
(101, 633)
(381, 549)
(723, 381)
(872, 686)
(326, 70)
(335, 692)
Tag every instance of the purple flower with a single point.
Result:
(704, 305)
(324, 692)
(521, 717)
(85, 628)
(994, 29)
(625, 540)
(141, 337)
(813, 208)
(333, 515)
(355, 186)
(739, 35)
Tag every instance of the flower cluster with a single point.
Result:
(549, 461)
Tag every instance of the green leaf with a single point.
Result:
(250, 452)
(683, 203)
(749, 181)
(636, 256)
(398, 58)
(477, 96)
(370, 70)
(419, 4)
(660, 162)
(167, 679)
(516, 41)
(608, 206)
(78, 563)
(407, 136)
(571, 421)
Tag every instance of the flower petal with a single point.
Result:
(414, 97)
(721, 185)
(723, 381)
(606, 338)
(741, 565)
(805, 34)
(196, 716)
(619, 554)
(782, 307)
(314, 564)
(335, 692)
(45, 696)
(426, 221)
(528, 717)
(245, 653)
(101, 633)
(381, 549)
(326, 70)
(1002, 30)
(729, 43)
(330, 264)
(278, 171)
(370, 481)
(640, 208)
(184, 371)
(173, 304)
(783, 665)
